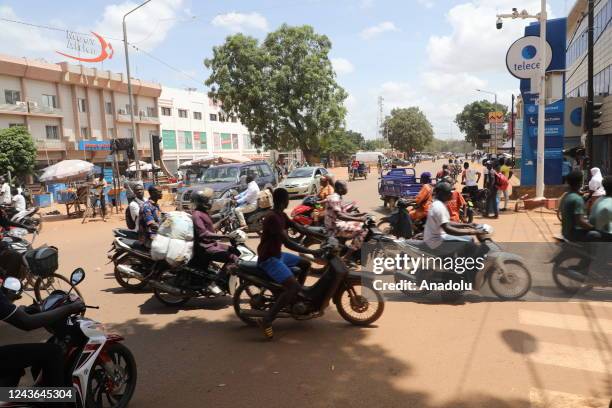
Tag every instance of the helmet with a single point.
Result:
(425, 177)
(11, 287)
(310, 201)
(202, 199)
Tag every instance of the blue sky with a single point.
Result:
(427, 53)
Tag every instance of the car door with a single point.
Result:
(267, 175)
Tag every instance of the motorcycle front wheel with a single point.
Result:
(513, 284)
(127, 282)
(385, 227)
(106, 390)
(359, 305)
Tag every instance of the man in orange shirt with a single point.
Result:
(423, 199)
(455, 205)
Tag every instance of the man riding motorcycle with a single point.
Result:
(442, 235)
(149, 217)
(247, 200)
(423, 199)
(46, 356)
(277, 264)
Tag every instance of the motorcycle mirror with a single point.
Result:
(12, 285)
(77, 276)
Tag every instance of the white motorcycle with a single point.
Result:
(102, 370)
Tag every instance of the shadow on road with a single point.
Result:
(323, 363)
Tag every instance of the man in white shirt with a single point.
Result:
(136, 204)
(5, 192)
(247, 200)
(470, 177)
(18, 201)
(439, 229)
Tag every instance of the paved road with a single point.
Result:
(552, 353)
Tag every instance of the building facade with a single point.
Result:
(576, 75)
(71, 110)
(193, 126)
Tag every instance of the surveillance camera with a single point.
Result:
(499, 24)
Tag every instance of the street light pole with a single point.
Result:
(541, 17)
(494, 108)
(130, 97)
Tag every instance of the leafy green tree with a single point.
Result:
(356, 138)
(17, 151)
(339, 145)
(407, 129)
(283, 90)
(375, 145)
(474, 116)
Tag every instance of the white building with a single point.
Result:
(72, 111)
(194, 127)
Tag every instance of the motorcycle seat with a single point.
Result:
(252, 268)
(316, 230)
(134, 245)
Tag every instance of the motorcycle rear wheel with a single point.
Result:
(352, 305)
(506, 290)
(167, 298)
(245, 298)
(568, 285)
(129, 283)
(44, 286)
(385, 227)
(98, 394)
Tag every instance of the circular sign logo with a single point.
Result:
(576, 117)
(523, 57)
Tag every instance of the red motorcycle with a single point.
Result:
(304, 214)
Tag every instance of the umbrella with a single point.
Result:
(143, 166)
(225, 159)
(186, 164)
(67, 170)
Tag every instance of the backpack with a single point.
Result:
(501, 181)
(129, 221)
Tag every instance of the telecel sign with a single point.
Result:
(523, 57)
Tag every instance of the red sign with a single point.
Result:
(96, 46)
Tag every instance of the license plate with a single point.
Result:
(292, 190)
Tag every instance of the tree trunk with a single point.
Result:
(309, 156)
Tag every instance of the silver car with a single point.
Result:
(304, 181)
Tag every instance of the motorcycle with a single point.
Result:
(398, 223)
(506, 273)
(257, 293)
(581, 266)
(361, 171)
(101, 369)
(476, 203)
(132, 262)
(228, 221)
(305, 214)
(29, 218)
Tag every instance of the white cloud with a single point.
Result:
(426, 3)
(236, 22)
(147, 27)
(377, 29)
(22, 40)
(342, 66)
(475, 45)
(365, 4)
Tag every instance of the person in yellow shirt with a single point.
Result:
(506, 171)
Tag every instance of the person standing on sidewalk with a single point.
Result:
(490, 183)
(470, 178)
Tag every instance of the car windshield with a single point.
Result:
(302, 172)
(219, 175)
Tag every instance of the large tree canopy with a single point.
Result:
(17, 151)
(407, 129)
(284, 89)
(341, 144)
(473, 118)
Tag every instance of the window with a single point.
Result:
(216, 141)
(84, 132)
(130, 133)
(12, 125)
(111, 133)
(82, 103)
(52, 132)
(12, 97)
(49, 101)
(166, 111)
(169, 139)
(264, 170)
(182, 113)
(213, 117)
(128, 109)
(197, 115)
(221, 117)
(235, 141)
(247, 144)
(199, 139)
(184, 139)
(151, 112)
(108, 108)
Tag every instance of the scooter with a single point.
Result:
(257, 293)
(581, 266)
(101, 369)
(507, 275)
(228, 221)
(398, 223)
(133, 262)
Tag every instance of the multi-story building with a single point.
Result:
(576, 74)
(71, 110)
(193, 126)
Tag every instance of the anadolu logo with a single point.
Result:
(523, 57)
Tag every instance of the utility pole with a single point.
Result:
(130, 96)
(380, 119)
(590, 90)
(513, 124)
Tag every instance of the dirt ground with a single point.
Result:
(555, 352)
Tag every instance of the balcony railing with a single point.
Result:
(50, 144)
(39, 108)
(9, 107)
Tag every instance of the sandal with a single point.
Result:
(266, 328)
